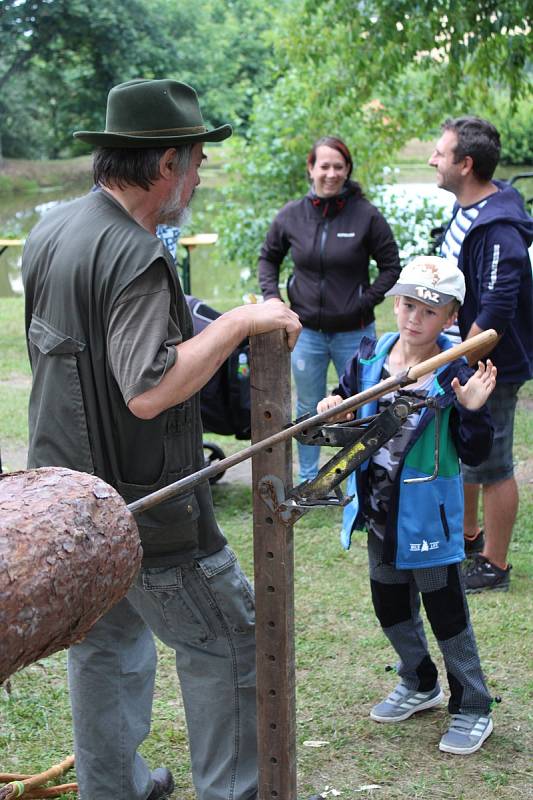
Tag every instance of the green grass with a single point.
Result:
(13, 415)
(14, 359)
(340, 650)
(18, 185)
(341, 659)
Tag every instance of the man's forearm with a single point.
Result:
(482, 352)
(199, 358)
(474, 330)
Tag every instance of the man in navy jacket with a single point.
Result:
(488, 237)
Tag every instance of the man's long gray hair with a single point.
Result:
(124, 167)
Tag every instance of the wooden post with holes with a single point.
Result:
(274, 574)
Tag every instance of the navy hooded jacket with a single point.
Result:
(499, 288)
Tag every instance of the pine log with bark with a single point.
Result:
(69, 550)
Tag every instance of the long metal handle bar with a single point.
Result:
(411, 375)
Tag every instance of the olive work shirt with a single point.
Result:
(140, 355)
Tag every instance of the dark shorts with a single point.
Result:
(499, 465)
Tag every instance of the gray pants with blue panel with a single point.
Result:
(396, 597)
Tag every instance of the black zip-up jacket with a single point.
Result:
(331, 241)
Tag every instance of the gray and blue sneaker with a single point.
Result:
(466, 734)
(403, 702)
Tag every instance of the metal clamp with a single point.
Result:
(431, 403)
(361, 439)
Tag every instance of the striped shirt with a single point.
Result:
(459, 227)
(451, 247)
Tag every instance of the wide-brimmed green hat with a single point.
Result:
(145, 113)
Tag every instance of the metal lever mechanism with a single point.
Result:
(361, 439)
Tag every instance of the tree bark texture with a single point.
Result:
(69, 550)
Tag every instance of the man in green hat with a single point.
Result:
(116, 375)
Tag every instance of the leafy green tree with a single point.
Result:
(376, 72)
(517, 136)
(59, 58)
(223, 51)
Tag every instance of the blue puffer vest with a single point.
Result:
(425, 520)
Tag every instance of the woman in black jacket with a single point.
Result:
(331, 233)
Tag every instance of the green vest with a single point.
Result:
(76, 262)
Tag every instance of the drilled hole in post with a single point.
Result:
(271, 624)
(273, 793)
(272, 692)
(270, 589)
(267, 415)
(273, 760)
(270, 554)
(268, 449)
(271, 657)
(269, 520)
(273, 726)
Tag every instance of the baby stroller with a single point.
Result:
(225, 399)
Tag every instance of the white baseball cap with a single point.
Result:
(433, 280)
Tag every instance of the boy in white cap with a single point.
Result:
(415, 530)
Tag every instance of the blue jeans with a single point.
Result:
(310, 360)
(204, 611)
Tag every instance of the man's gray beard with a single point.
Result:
(176, 218)
(171, 213)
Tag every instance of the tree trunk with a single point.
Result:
(69, 550)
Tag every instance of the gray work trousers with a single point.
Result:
(204, 611)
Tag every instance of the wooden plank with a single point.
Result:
(11, 242)
(274, 574)
(199, 240)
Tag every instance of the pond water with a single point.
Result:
(218, 283)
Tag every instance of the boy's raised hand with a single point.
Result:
(330, 402)
(478, 387)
